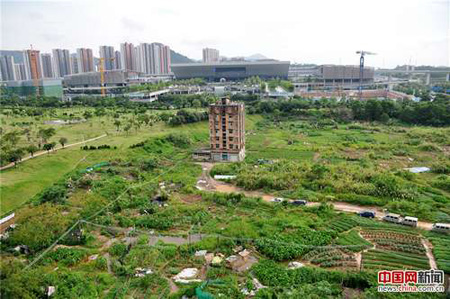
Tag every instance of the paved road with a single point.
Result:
(56, 148)
(206, 182)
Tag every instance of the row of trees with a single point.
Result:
(11, 152)
(436, 113)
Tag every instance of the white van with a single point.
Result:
(441, 228)
(394, 218)
(410, 221)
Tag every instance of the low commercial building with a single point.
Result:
(113, 78)
(47, 87)
(232, 70)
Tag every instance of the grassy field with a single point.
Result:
(148, 191)
(23, 182)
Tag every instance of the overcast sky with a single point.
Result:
(316, 31)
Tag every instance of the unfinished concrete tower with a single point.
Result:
(227, 130)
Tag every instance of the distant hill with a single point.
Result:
(18, 55)
(179, 58)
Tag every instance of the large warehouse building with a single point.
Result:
(232, 70)
(345, 74)
(93, 79)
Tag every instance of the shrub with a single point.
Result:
(118, 249)
(54, 194)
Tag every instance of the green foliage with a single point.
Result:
(65, 256)
(118, 249)
(272, 274)
(39, 226)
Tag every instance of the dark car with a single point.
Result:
(367, 214)
(299, 202)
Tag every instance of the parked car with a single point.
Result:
(277, 199)
(299, 202)
(394, 218)
(410, 221)
(441, 228)
(367, 214)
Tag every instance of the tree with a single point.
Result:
(63, 141)
(196, 103)
(46, 134)
(49, 146)
(117, 123)
(16, 155)
(127, 128)
(31, 149)
(87, 114)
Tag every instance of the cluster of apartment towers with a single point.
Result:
(146, 58)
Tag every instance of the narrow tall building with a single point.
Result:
(128, 56)
(227, 130)
(117, 60)
(61, 62)
(32, 63)
(7, 68)
(108, 55)
(47, 66)
(210, 55)
(19, 71)
(74, 63)
(85, 60)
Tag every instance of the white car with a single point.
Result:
(277, 199)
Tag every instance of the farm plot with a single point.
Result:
(331, 257)
(389, 260)
(441, 252)
(353, 238)
(342, 224)
(394, 240)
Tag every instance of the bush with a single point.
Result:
(118, 250)
(54, 194)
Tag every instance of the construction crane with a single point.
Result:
(361, 69)
(102, 75)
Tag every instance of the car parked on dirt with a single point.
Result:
(410, 221)
(299, 202)
(394, 218)
(441, 228)
(277, 199)
(367, 214)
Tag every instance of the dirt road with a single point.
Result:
(206, 182)
(56, 148)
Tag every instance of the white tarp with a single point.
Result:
(418, 169)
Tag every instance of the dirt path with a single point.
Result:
(206, 182)
(429, 251)
(56, 148)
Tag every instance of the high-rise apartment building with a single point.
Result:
(128, 56)
(227, 130)
(61, 62)
(108, 55)
(74, 63)
(32, 62)
(117, 60)
(210, 55)
(7, 68)
(153, 58)
(19, 71)
(85, 60)
(47, 65)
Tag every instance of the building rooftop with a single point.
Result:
(226, 63)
